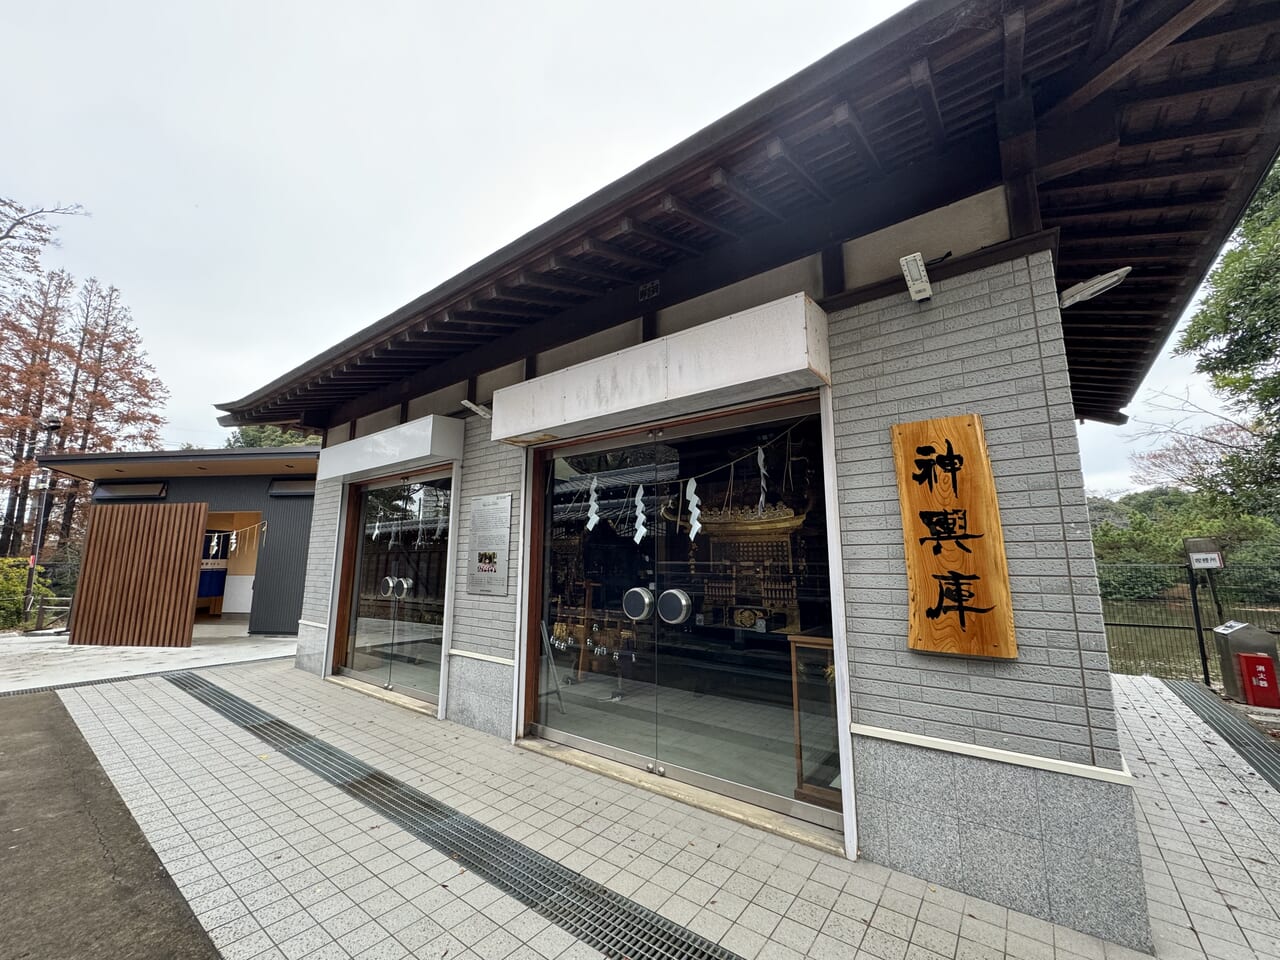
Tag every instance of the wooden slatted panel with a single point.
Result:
(140, 570)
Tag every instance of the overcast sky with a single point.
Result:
(266, 178)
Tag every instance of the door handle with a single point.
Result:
(402, 587)
(674, 607)
(388, 585)
(637, 603)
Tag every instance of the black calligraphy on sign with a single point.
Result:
(947, 526)
(954, 594)
(930, 463)
(957, 571)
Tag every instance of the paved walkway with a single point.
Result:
(44, 661)
(1209, 827)
(278, 863)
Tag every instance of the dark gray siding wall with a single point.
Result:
(282, 554)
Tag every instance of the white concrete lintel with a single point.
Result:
(766, 351)
(416, 445)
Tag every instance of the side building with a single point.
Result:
(176, 533)
(758, 469)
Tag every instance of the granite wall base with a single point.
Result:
(1057, 846)
(480, 695)
(313, 650)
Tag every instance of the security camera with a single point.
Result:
(917, 277)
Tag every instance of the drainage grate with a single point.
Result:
(1255, 747)
(136, 676)
(611, 923)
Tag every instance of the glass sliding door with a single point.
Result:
(398, 588)
(687, 610)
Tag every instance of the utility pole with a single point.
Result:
(50, 426)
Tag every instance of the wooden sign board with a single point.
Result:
(957, 572)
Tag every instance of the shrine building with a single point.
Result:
(755, 476)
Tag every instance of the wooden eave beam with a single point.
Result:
(1193, 134)
(1016, 125)
(475, 305)
(1015, 37)
(968, 166)
(1217, 83)
(448, 329)
(1129, 257)
(848, 122)
(631, 225)
(1069, 273)
(1115, 312)
(610, 251)
(590, 270)
(726, 182)
(1106, 338)
(1191, 231)
(1239, 24)
(499, 292)
(776, 152)
(1147, 174)
(677, 208)
(528, 278)
(1099, 213)
(1156, 24)
(927, 98)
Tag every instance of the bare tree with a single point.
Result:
(25, 232)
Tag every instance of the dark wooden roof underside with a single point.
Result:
(1153, 122)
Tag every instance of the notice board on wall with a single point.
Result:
(489, 544)
(957, 571)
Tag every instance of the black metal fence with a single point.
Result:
(1155, 614)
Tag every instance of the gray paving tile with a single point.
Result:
(720, 891)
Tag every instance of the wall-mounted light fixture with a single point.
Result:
(916, 276)
(1091, 288)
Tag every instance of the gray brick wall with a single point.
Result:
(989, 342)
(321, 554)
(483, 624)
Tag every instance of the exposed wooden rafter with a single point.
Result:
(1166, 125)
(491, 309)
(632, 226)
(1259, 76)
(726, 182)
(968, 166)
(1015, 36)
(677, 208)
(927, 98)
(1104, 28)
(847, 122)
(1147, 174)
(499, 292)
(611, 251)
(777, 153)
(1099, 212)
(1156, 24)
(530, 278)
(590, 270)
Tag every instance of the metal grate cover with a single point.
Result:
(1256, 748)
(611, 923)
